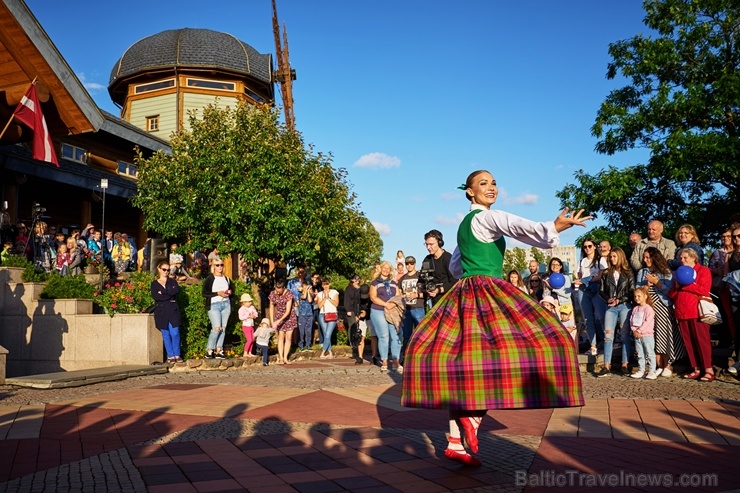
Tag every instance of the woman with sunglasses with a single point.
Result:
(587, 290)
(166, 312)
(485, 345)
(217, 290)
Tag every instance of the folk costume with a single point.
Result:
(486, 345)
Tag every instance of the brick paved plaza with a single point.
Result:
(332, 426)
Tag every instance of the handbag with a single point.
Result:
(708, 311)
(330, 316)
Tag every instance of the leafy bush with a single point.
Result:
(16, 261)
(131, 296)
(67, 287)
(34, 273)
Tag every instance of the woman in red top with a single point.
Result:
(695, 334)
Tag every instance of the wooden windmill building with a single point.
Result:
(160, 78)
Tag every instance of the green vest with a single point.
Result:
(479, 258)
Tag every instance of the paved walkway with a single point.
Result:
(203, 438)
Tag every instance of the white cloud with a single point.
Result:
(526, 199)
(449, 221)
(378, 160)
(447, 196)
(382, 229)
(90, 86)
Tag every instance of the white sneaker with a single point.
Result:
(639, 374)
(733, 369)
(658, 371)
(593, 351)
(651, 375)
(666, 373)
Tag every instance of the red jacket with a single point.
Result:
(686, 298)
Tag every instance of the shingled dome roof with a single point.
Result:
(191, 48)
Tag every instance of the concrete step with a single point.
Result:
(76, 378)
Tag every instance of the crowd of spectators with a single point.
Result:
(68, 250)
(603, 292)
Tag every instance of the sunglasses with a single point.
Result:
(735, 237)
(588, 246)
(218, 265)
(410, 263)
(164, 270)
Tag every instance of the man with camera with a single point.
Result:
(435, 269)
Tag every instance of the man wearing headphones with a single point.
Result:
(437, 261)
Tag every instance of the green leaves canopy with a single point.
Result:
(681, 104)
(240, 181)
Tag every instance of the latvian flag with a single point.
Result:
(29, 113)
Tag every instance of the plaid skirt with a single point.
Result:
(487, 345)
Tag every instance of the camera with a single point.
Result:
(426, 276)
(37, 210)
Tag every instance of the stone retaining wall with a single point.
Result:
(44, 336)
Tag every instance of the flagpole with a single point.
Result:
(33, 83)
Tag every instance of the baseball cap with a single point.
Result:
(567, 308)
(355, 278)
(410, 260)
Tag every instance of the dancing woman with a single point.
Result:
(486, 345)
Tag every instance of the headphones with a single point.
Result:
(437, 236)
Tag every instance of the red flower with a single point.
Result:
(113, 305)
(118, 284)
(95, 293)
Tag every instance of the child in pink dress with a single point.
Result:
(247, 314)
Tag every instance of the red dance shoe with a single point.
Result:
(462, 457)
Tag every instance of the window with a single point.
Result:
(254, 95)
(152, 123)
(74, 153)
(211, 84)
(127, 169)
(154, 86)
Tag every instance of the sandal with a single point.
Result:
(708, 377)
(692, 376)
(384, 368)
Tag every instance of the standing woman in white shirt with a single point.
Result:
(217, 290)
(328, 301)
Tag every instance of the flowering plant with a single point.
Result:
(92, 259)
(130, 296)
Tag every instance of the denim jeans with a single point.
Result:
(219, 317)
(645, 346)
(617, 317)
(592, 309)
(385, 332)
(171, 338)
(305, 330)
(265, 353)
(411, 319)
(327, 328)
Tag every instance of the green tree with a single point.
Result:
(514, 259)
(681, 103)
(240, 181)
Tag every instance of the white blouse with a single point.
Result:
(490, 225)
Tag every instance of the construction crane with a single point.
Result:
(284, 74)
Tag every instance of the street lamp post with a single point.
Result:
(104, 186)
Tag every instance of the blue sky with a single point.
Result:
(408, 95)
